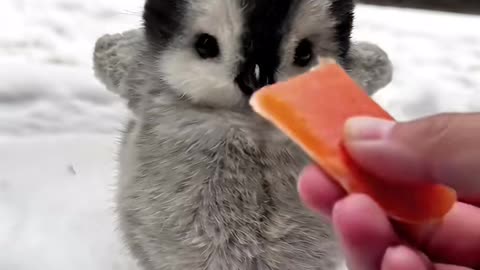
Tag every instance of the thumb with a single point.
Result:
(443, 149)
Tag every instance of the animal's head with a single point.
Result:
(218, 52)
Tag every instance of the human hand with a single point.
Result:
(445, 148)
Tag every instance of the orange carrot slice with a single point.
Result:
(312, 109)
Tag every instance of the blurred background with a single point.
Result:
(59, 127)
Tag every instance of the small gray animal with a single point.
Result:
(206, 184)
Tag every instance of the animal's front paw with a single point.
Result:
(113, 55)
(370, 66)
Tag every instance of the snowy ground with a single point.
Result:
(59, 127)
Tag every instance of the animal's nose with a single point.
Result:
(252, 77)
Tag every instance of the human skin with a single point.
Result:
(444, 149)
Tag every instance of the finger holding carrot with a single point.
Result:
(311, 109)
(400, 195)
(444, 149)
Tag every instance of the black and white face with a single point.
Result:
(218, 52)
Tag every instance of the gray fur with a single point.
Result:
(370, 66)
(210, 188)
(117, 65)
(215, 189)
(204, 188)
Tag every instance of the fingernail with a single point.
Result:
(367, 128)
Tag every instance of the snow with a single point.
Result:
(31, 101)
(59, 128)
(62, 31)
(436, 58)
(56, 204)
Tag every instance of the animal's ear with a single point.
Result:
(369, 66)
(162, 19)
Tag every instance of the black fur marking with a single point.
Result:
(342, 12)
(265, 28)
(162, 19)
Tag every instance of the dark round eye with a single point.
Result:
(303, 53)
(207, 46)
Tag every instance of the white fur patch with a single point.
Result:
(311, 20)
(208, 81)
(211, 81)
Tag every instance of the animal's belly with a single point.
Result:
(214, 208)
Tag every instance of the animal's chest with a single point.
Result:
(222, 201)
(249, 185)
(254, 171)
(250, 207)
